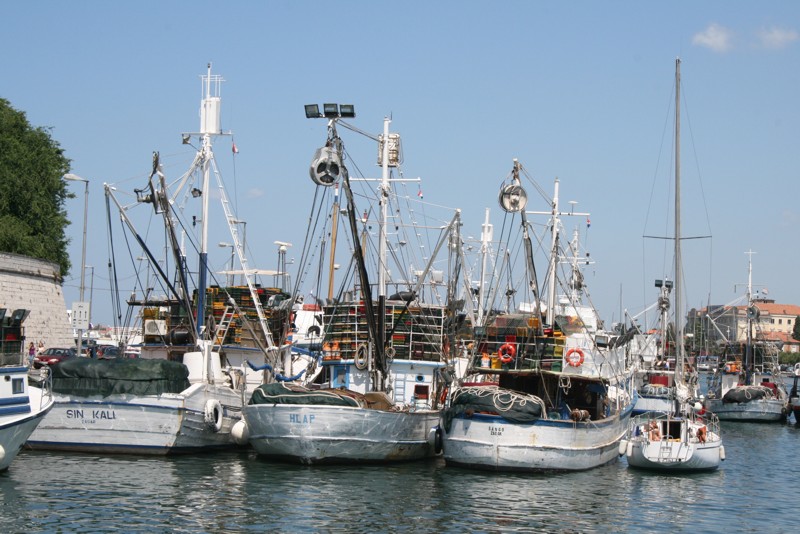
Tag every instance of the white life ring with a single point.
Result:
(213, 415)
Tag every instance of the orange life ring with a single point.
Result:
(573, 361)
(507, 352)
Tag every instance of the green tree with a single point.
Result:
(32, 190)
(796, 329)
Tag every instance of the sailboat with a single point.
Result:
(684, 436)
(384, 373)
(161, 403)
(750, 388)
(547, 388)
(22, 405)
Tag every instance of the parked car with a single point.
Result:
(53, 355)
(109, 352)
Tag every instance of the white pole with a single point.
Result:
(76, 178)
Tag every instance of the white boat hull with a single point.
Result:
(760, 410)
(313, 434)
(675, 455)
(491, 442)
(16, 428)
(148, 424)
(666, 442)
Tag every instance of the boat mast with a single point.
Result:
(486, 237)
(555, 231)
(678, 261)
(334, 228)
(382, 251)
(751, 315)
(531, 270)
(209, 125)
(551, 275)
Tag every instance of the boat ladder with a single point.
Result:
(222, 328)
(399, 393)
(672, 451)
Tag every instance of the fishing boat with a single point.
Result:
(748, 387)
(168, 402)
(683, 436)
(22, 406)
(384, 369)
(547, 387)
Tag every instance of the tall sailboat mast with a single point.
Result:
(678, 261)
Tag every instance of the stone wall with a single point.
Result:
(35, 285)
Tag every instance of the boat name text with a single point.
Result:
(92, 416)
(305, 419)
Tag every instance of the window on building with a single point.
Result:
(780, 321)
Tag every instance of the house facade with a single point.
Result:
(773, 322)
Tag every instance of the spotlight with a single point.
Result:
(326, 166)
(331, 111)
(347, 111)
(196, 192)
(312, 111)
(513, 198)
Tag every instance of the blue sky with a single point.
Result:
(576, 90)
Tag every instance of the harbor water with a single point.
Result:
(753, 491)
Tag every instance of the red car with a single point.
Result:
(52, 356)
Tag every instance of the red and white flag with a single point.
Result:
(234, 149)
(419, 193)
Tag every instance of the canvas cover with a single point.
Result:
(88, 377)
(510, 407)
(281, 393)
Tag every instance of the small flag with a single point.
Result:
(419, 193)
(234, 149)
(588, 222)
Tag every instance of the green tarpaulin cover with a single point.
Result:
(87, 377)
(280, 393)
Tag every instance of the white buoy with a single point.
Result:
(623, 446)
(629, 452)
(240, 433)
(722, 452)
(2, 454)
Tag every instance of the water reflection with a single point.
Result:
(238, 492)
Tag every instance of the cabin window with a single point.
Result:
(18, 386)
(421, 392)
